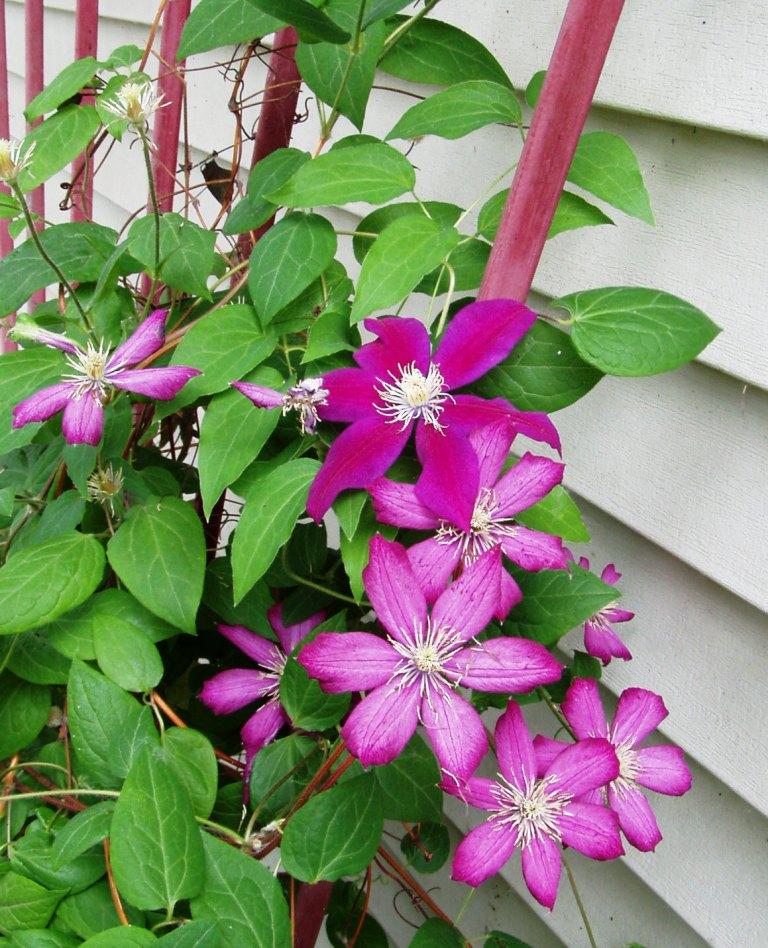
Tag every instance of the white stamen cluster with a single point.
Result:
(628, 768)
(135, 103)
(412, 395)
(89, 369)
(424, 654)
(487, 529)
(15, 155)
(104, 485)
(304, 398)
(533, 812)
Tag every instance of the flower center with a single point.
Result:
(412, 395)
(104, 485)
(304, 398)
(628, 767)
(424, 654)
(486, 529)
(534, 811)
(89, 371)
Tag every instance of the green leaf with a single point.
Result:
(347, 922)
(24, 710)
(186, 251)
(72, 566)
(329, 333)
(375, 222)
(266, 176)
(123, 936)
(631, 331)
(348, 509)
(558, 514)
(287, 259)
(373, 173)
(312, 25)
(109, 728)
(544, 372)
(218, 596)
(91, 911)
(190, 755)
(244, 898)
(459, 110)
(34, 659)
(42, 938)
(60, 516)
(401, 255)
(342, 75)
(426, 847)
(156, 847)
(468, 262)
(409, 785)
(21, 374)
(571, 213)
(201, 934)
(435, 933)
(123, 56)
(606, 166)
(126, 656)
(382, 9)
(585, 666)
(534, 87)
(556, 601)
(224, 345)
(57, 141)
(274, 502)
(354, 549)
(215, 23)
(24, 903)
(232, 434)
(336, 833)
(437, 53)
(80, 833)
(118, 604)
(307, 705)
(70, 80)
(280, 772)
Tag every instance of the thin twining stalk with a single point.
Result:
(145, 147)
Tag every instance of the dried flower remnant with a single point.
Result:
(306, 397)
(135, 103)
(104, 485)
(15, 156)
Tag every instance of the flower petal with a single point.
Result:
(533, 550)
(261, 650)
(547, 749)
(583, 709)
(235, 688)
(528, 482)
(504, 664)
(260, 395)
(351, 395)
(664, 770)
(43, 404)
(491, 444)
(603, 642)
(145, 340)
(637, 714)
(395, 595)
(591, 830)
(483, 852)
(468, 604)
(514, 748)
(400, 342)
(478, 337)
(398, 504)
(475, 791)
(586, 765)
(357, 457)
(262, 726)
(509, 595)
(450, 480)
(433, 563)
(349, 661)
(83, 420)
(379, 727)
(609, 574)
(613, 614)
(291, 635)
(636, 818)
(163, 384)
(455, 731)
(541, 860)
(469, 412)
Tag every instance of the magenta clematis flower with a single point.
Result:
(413, 673)
(94, 373)
(464, 532)
(304, 397)
(537, 814)
(600, 639)
(400, 385)
(235, 688)
(660, 768)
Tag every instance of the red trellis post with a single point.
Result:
(86, 42)
(577, 61)
(34, 81)
(6, 244)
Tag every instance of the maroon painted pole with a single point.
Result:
(577, 61)
(34, 82)
(311, 906)
(6, 244)
(86, 43)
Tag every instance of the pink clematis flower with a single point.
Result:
(600, 639)
(463, 533)
(94, 373)
(231, 690)
(400, 385)
(305, 398)
(660, 768)
(537, 814)
(413, 673)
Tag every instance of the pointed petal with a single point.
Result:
(475, 791)
(482, 853)
(603, 642)
(533, 550)
(163, 384)
(379, 727)
(450, 480)
(546, 749)
(83, 420)
(583, 709)
(455, 731)
(491, 444)
(261, 650)
(591, 830)
(351, 395)
(586, 765)
(400, 342)
(514, 747)
(583, 562)
(505, 665)
(470, 412)
(542, 861)
(637, 714)
(262, 726)
(357, 457)
(398, 504)
(636, 818)
(291, 635)
(349, 661)
(478, 337)
(260, 395)
(509, 595)
(433, 564)
(43, 404)
(235, 688)
(145, 340)
(395, 595)
(664, 770)
(613, 614)
(468, 604)
(528, 482)
(609, 574)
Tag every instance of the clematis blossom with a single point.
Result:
(94, 373)
(412, 675)
(659, 768)
(537, 814)
(305, 397)
(400, 385)
(600, 638)
(462, 533)
(231, 690)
